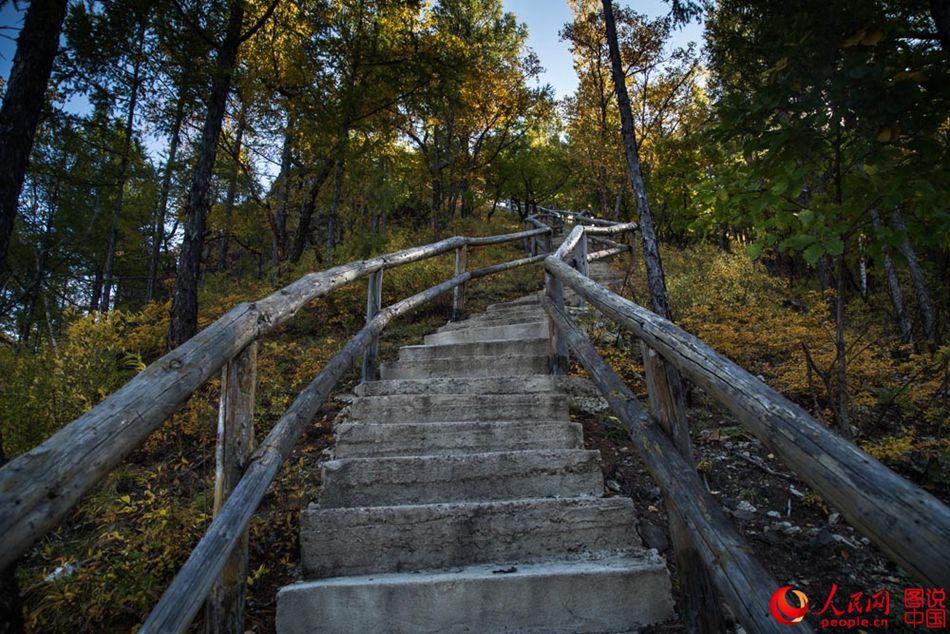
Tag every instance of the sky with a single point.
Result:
(544, 18)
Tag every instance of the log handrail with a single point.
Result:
(39, 487)
(742, 580)
(186, 594)
(906, 522)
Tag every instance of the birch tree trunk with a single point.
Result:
(125, 159)
(894, 289)
(225, 237)
(927, 315)
(158, 229)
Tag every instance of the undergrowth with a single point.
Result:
(108, 563)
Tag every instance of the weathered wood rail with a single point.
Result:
(906, 522)
(38, 488)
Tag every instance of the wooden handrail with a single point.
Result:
(908, 523)
(40, 486)
(743, 582)
(184, 597)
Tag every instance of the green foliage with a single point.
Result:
(94, 356)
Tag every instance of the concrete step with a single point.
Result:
(475, 348)
(615, 594)
(428, 408)
(501, 310)
(528, 384)
(366, 540)
(504, 475)
(531, 299)
(509, 365)
(481, 322)
(367, 440)
(533, 330)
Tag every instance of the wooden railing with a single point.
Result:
(38, 488)
(906, 522)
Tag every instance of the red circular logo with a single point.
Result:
(783, 611)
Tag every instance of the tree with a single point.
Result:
(184, 315)
(23, 102)
(702, 611)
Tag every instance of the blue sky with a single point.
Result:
(546, 18)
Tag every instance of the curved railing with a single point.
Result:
(39, 487)
(906, 522)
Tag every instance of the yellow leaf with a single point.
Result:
(855, 39)
(872, 38)
(125, 499)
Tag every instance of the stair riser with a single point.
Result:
(539, 383)
(565, 600)
(357, 440)
(479, 477)
(481, 348)
(452, 408)
(492, 321)
(341, 542)
(472, 367)
(536, 330)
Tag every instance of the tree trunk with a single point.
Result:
(158, 229)
(184, 316)
(841, 362)
(23, 102)
(702, 610)
(924, 305)
(940, 12)
(125, 159)
(333, 215)
(894, 289)
(306, 214)
(279, 243)
(225, 235)
(11, 609)
(651, 251)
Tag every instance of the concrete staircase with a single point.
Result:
(459, 498)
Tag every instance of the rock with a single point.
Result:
(787, 528)
(822, 539)
(744, 511)
(774, 514)
(612, 485)
(653, 536)
(833, 518)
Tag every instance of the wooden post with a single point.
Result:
(458, 293)
(581, 264)
(558, 344)
(224, 609)
(548, 241)
(701, 612)
(374, 300)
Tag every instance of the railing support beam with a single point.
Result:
(458, 293)
(701, 610)
(558, 352)
(224, 609)
(374, 300)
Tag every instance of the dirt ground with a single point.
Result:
(800, 541)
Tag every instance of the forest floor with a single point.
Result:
(800, 540)
(107, 564)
